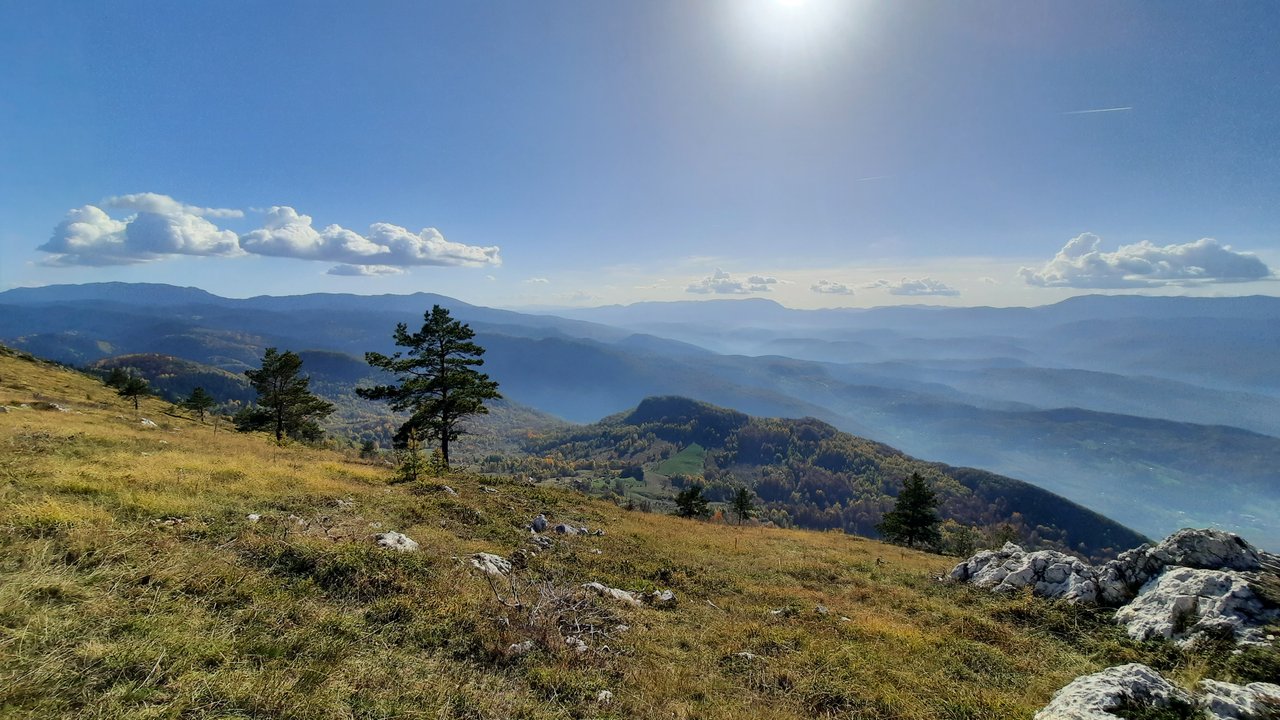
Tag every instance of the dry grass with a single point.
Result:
(132, 585)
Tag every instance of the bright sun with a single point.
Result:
(790, 30)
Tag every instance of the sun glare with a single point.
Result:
(790, 30)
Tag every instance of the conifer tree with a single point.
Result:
(914, 517)
(743, 504)
(690, 502)
(438, 382)
(199, 402)
(285, 402)
(133, 388)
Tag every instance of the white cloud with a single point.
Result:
(364, 270)
(1080, 264)
(722, 283)
(829, 287)
(989, 280)
(287, 233)
(920, 286)
(165, 205)
(161, 226)
(538, 281)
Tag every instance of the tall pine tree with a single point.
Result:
(285, 403)
(199, 402)
(438, 382)
(914, 517)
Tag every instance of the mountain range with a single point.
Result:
(1157, 412)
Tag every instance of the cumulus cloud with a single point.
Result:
(1081, 264)
(364, 270)
(538, 281)
(288, 233)
(829, 287)
(165, 205)
(920, 286)
(161, 226)
(722, 283)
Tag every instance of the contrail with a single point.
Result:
(872, 177)
(1099, 110)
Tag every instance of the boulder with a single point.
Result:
(542, 541)
(563, 529)
(491, 564)
(606, 591)
(1225, 701)
(1181, 601)
(148, 424)
(1096, 696)
(539, 523)
(521, 648)
(396, 541)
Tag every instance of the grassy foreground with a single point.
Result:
(133, 586)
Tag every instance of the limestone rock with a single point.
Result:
(491, 564)
(563, 529)
(1094, 697)
(1225, 701)
(1047, 572)
(604, 697)
(148, 424)
(615, 593)
(396, 541)
(253, 517)
(539, 523)
(661, 598)
(542, 541)
(1183, 601)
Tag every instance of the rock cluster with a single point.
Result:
(1191, 582)
(1125, 689)
(396, 541)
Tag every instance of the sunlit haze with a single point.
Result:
(819, 153)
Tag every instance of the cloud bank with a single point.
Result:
(161, 226)
(921, 286)
(828, 287)
(1081, 264)
(722, 283)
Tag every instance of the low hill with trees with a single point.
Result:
(808, 474)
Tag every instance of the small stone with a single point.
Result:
(575, 643)
(448, 490)
(148, 424)
(615, 593)
(596, 551)
(604, 697)
(822, 609)
(661, 598)
(396, 541)
(254, 517)
(491, 564)
(487, 489)
(521, 648)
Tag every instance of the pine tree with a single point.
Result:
(134, 387)
(914, 518)
(690, 502)
(116, 378)
(199, 402)
(438, 383)
(743, 504)
(285, 403)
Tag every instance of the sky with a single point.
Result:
(821, 153)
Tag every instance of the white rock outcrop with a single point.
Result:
(1225, 701)
(396, 541)
(1047, 572)
(1191, 582)
(1094, 697)
(1108, 694)
(1182, 601)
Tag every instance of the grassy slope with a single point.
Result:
(110, 607)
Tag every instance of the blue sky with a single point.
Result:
(819, 152)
